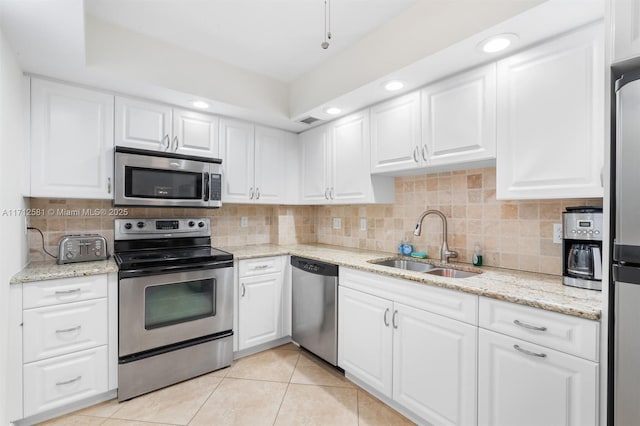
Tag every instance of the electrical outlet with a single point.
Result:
(363, 224)
(244, 222)
(557, 233)
(337, 223)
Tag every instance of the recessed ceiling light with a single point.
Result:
(200, 104)
(332, 110)
(393, 85)
(497, 43)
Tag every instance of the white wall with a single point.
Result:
(13, 242)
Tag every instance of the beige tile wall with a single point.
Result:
(512, 234)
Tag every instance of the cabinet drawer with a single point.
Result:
(61, 329)
(65, 379)
(566, 333)
(53, 292)
(263, 265)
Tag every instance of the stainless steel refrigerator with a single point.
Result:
(625, 347)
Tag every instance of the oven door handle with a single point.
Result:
(161, 270)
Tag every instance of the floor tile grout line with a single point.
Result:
(207, 399)
(284, 395)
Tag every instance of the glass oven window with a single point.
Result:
(175, 303)
(163, 184)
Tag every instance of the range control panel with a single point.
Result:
(128, 229)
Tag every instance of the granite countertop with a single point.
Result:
(49, 270)
(526, 288)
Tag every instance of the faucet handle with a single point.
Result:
(450, 253)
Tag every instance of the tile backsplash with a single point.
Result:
(512, 234)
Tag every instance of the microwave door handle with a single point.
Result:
(205, 188)
(597, 263)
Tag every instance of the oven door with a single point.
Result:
(160, 310)
(149, 180)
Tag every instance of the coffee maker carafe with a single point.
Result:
(582, 247)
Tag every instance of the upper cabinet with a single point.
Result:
(158, 127)
(255, 161)
(335, 164)
(626, 28)
(71, 142)
(459, 118)
(395, 135)
(550, 119)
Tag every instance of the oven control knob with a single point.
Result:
(140, 224)
(201, 224)
(191, 224)
(127, 225)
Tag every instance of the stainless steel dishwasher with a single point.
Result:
(314, 312)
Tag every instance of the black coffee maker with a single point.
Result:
(582, 247)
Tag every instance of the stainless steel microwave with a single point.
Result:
(150, 178)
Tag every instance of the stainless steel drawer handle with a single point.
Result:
(66, 292)
(68, 382)
(529, 326)
(393, 319)
(261, 267)
(386, 317)
(68, 330)
(524, 351)
(244, 290)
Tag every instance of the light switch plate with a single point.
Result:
(337, 223)
(244, 222)
(557, 233)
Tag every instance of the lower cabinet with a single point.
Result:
(260, 301)
(521, 383)
(423, 361)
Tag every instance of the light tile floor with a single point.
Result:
(281, 386)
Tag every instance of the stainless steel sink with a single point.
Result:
(410, 265)
(452, 273)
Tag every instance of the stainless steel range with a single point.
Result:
(175, 314)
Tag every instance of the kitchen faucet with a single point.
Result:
(445, 253)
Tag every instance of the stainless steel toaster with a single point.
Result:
(82, 248)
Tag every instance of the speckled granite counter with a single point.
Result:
(50, 270)
(525, 288)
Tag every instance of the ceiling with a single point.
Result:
(261, 60)
(278, 38)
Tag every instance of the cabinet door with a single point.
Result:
(313, 148)
(349, 151)
(270, 165)
(459, 118)
(195, 133)
(434, 366)
(260, 310)
(520, 383)
(143, 125)
(365, 338)
(236, 149)
(395, 134)
(67, 124)
(550, 126)
(626, 15)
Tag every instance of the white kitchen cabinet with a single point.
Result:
(434, 366)
(365, 338)
(68, 345)
(550, 140)
(335, 164)
(626, 29)
(459, 118)
(421, 360)
(260, 301)
(395, 134)
(255, 160)
(158, 127)
(71, 141)
(521, 383)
